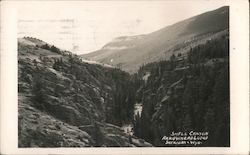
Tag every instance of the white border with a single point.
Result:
(239, 86)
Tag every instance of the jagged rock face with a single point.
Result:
(63, 102)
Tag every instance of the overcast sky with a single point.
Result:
(85, 26)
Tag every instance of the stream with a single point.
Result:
(128, 128)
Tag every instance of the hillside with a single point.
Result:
(131, 52)
(133, 92)
(65, 102)
(188, 93)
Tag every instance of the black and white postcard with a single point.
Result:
(140, 77)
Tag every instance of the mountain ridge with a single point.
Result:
(133, 51)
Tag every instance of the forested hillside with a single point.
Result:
(177, 80)
(64, 102)
(186, 93)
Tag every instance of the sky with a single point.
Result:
(86, 26)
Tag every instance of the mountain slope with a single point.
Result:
(65, 102)
(186, 94)
(131, 52)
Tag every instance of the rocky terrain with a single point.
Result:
(64, 102)
(132, 92)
